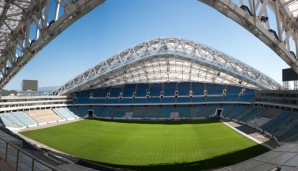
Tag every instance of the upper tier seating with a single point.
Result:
(170, 89)
(155, 89)
(115, 91)
(142, 90)
(168, 92)
(184, 88)
(128, 90)
(102, 92)
(214, 89)
(198, 88)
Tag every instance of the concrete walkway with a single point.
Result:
(4, 166)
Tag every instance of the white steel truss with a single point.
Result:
(272, 21)
(26, 26)
(169, 59)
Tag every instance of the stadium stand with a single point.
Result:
(198, 88)
(139, 100)
(170, 89)
(128, 90)
(165, 111)
(115, 91)
(97, 111)
(258, 121)
(183, 99)
(214, 98)
(237, 111)
(198, 99)
(235, 90)
(107, 112)
(283, 121)
(155, 89)
(120, 112)
(43, 116)
(24, 118)
(82, 111)
(199, 111)
(138, 112)
(169, 92)
(251, 113)
(14, 120)
(101, 92)
(270, 113)
(215, 89)
(168, 100)
(227, 109)
(151, 112)
(64, 113)
(142, 90)
(231, 97)
(184, 111)
(154, 99)
(211, 109)
(8, 123)
(183, 89)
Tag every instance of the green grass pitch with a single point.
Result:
(200, 143)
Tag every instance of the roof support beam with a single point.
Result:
(176, 62)
(30, 27)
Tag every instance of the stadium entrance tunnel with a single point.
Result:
(167, 60)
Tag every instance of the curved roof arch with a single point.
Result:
(27, 26)
(169, 59)
(274, 22)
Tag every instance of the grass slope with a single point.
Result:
(137, 144)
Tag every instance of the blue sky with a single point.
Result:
(117, 25)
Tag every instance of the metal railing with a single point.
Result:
(21, 160)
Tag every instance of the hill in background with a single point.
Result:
(4, 92)
(49, 88)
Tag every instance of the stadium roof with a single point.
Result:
(169, 59)
(26, 26)
(292, 5)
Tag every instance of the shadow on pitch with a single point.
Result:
(167, 122)
(216, 162)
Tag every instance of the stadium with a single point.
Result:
(163, 104)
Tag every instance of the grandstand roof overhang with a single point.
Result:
(169, 59)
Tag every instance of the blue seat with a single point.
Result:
(183, 88)
(170, 88)
(128, 90)
(141, 90)
(155, 89)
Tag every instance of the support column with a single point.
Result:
(296, 85)
(286, 85)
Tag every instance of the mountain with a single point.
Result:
(49, 88)
(8, 92)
